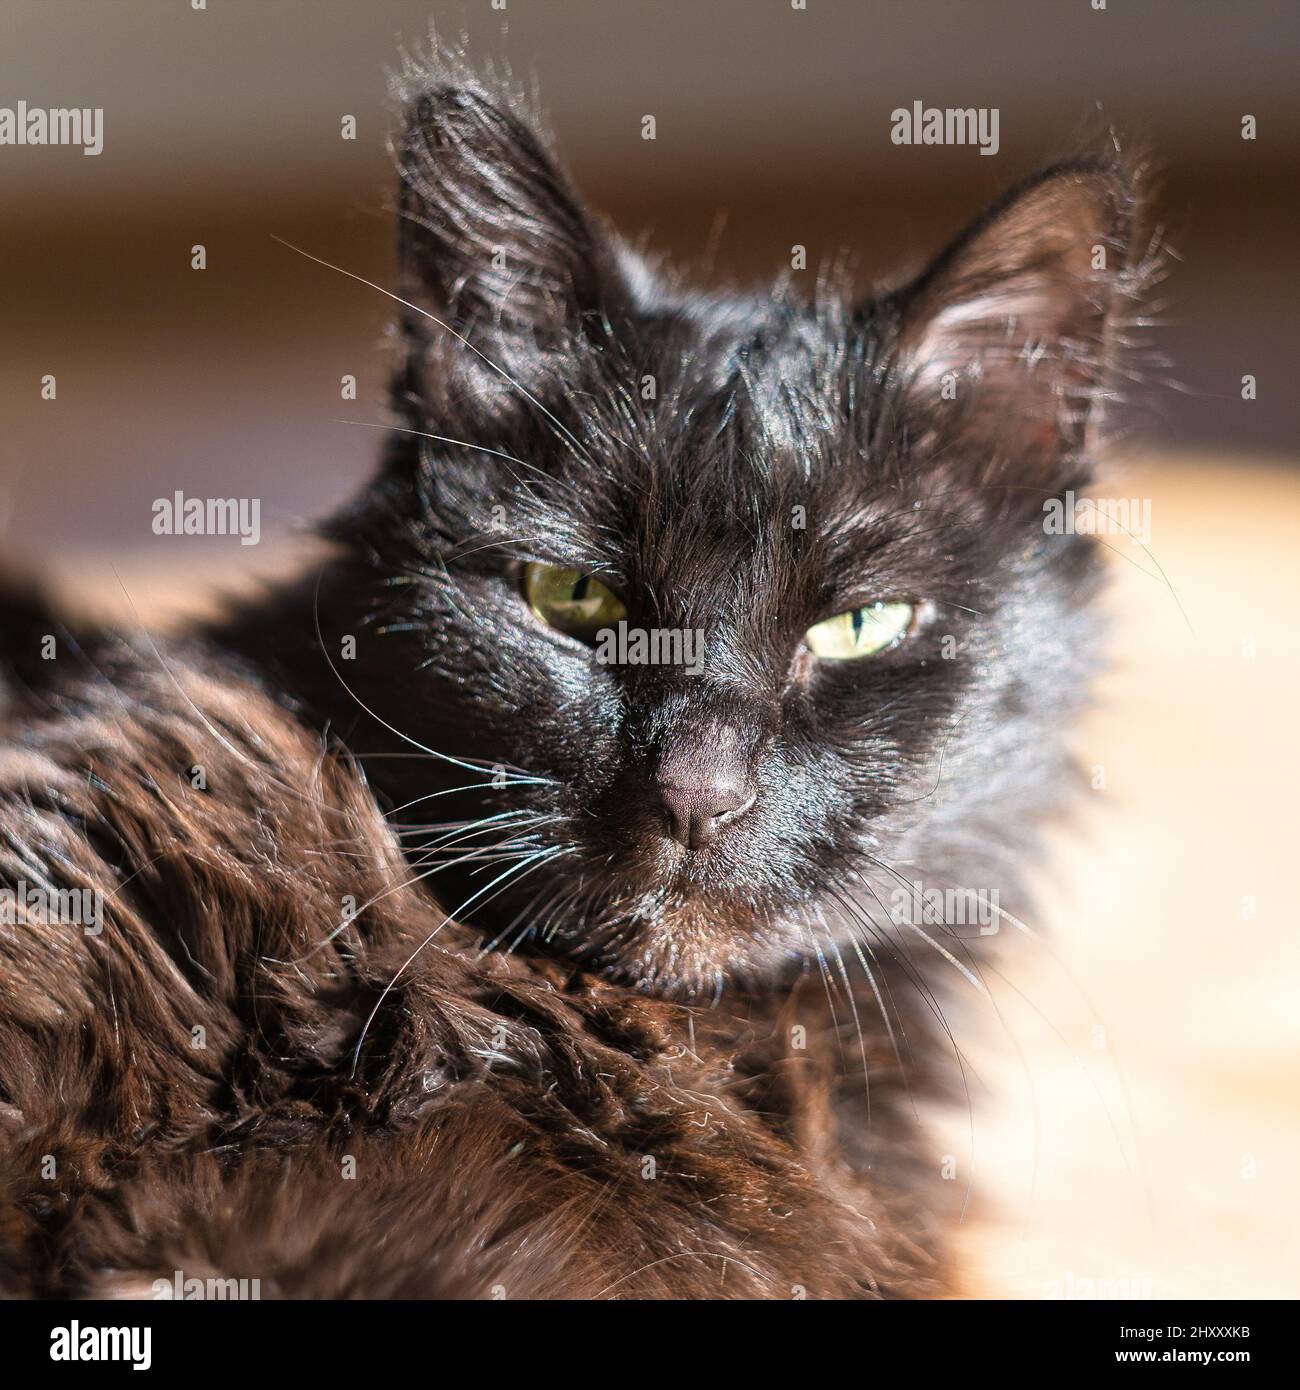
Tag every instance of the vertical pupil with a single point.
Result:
(859, 622)
(580, 588)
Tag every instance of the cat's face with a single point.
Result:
(749, 601)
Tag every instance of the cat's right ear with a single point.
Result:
(496, 253)
(1007, 344)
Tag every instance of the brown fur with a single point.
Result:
(501, 1112)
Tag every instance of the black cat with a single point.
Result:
(692, 647)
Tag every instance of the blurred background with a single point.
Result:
(222, 127)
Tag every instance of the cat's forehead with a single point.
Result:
(744, 400)
(730, 445)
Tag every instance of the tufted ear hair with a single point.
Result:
(493, 241)
(1005, 343)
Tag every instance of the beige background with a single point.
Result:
(1169, 1142)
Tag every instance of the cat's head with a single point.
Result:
(750, 600)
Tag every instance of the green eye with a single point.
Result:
(860, 632)
(570, 601)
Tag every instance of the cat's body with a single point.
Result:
(514, 1128)
(694, 1072)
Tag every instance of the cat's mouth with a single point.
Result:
(687, 952)
(673, 940)
(638, 906)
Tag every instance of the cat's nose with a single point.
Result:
(696, 811)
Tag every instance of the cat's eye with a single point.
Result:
(571, 602)
(860, 632)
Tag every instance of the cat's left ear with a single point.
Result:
(1005, 344)
(493, 241)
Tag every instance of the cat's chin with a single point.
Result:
(690, 951)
